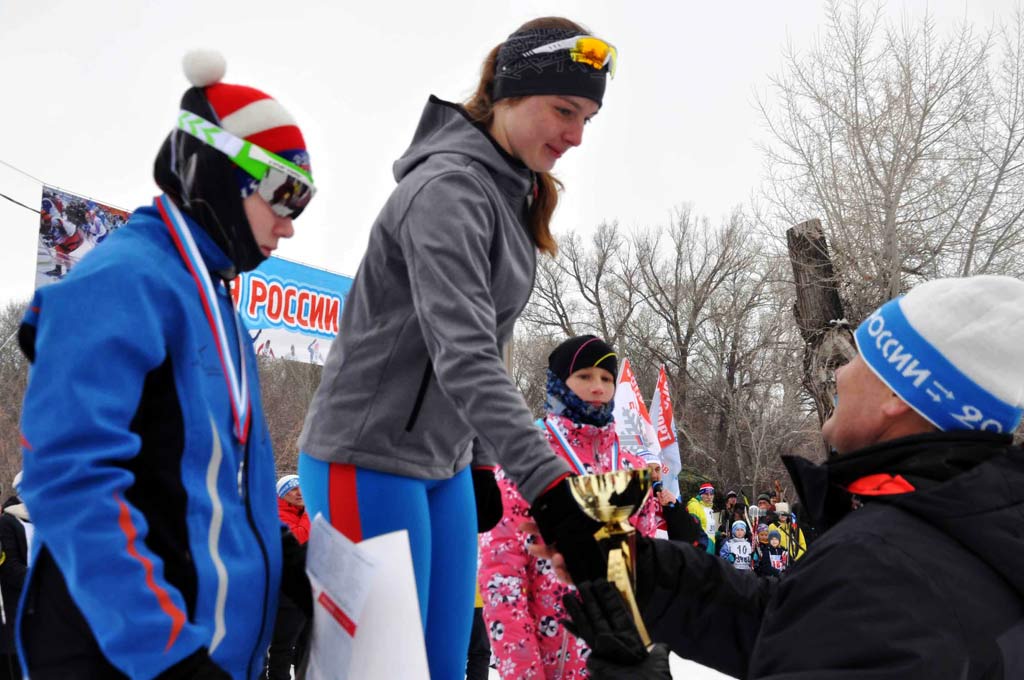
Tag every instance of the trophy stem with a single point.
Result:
(619, 574)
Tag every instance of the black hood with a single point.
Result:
(969, 485)
(201, 182)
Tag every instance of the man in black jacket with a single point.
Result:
(924, 579)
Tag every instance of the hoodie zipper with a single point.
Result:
(420, 394)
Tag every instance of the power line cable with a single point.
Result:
(16, 202)
(52, 186)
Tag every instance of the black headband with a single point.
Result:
(552, 73)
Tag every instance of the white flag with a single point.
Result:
(665, 425)
(632, 421)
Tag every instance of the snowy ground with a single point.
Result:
(681, 670)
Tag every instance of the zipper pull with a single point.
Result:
(241, 479)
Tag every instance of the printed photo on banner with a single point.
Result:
(291, 310)
(69, 227)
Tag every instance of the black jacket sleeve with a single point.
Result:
(861, 608)
(680, 525)
(703, 608)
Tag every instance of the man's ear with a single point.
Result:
(904, 417)
(894, 407)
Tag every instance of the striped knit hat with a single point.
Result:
(286, 484)
(246, 112)
(706, 488)
(204, 182)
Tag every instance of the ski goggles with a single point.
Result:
(583, 49)
(283, 184)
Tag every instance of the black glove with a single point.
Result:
(570, 531)
(599, 618)
(294, 582)
(196, 666)
(489, 508)
(654, 667)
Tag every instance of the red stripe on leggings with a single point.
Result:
(343, 501)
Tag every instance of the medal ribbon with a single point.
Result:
(237, 380)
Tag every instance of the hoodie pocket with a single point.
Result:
(420, 394)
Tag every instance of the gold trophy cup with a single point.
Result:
(611, 498)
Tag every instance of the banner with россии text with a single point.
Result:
(291, 309)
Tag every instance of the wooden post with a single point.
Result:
(828, 341)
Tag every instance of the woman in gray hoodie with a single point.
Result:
(415, 407)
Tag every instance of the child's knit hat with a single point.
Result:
(582, 351)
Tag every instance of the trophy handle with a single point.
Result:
(619, 574)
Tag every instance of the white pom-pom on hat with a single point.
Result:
(204, 67)
(245, 111)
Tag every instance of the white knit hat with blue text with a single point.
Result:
(286, 484)
(953, 349)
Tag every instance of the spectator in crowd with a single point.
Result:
(760, 544)
(791, 535)
(15, 547)
(701, 508)
(160, 552)
(725, 520)
(770, 557)
(923, 439)
(522, 595)
(766, 510)
(287, 645)
(291, 508)
(738, 550)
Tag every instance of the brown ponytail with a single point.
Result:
(480, 108)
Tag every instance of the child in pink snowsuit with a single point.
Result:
(522, 596)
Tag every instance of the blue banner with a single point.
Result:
(292, 310)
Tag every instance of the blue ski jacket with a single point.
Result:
(154, 523)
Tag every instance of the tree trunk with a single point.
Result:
(828, 341)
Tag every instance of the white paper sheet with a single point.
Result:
(366, 621)
(341, 576)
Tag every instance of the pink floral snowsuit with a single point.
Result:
(522, 596)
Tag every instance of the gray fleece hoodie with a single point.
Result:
(414, 384)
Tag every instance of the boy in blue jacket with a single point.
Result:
(158, 549)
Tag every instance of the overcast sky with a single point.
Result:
(90, 89)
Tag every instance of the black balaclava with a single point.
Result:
(202, 182)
